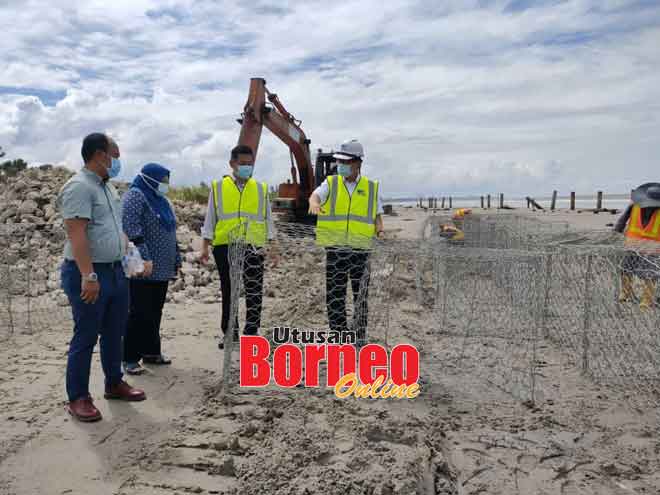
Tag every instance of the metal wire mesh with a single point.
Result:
(489, 300)
(295, 282)
(605, 326)
(30, 297)
(580, 292)
(506, 231)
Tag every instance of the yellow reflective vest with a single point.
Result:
(643, 236)
(345, 219)
(241, 215)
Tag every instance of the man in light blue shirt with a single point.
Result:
(93, 277)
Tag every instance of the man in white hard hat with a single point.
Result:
(349, 217)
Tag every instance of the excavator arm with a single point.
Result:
(256, 114)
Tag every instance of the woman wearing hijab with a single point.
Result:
(149, 222)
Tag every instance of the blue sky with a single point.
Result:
(475, 96)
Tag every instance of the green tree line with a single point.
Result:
(10, 168)
(199, 194)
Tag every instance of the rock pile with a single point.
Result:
(29, 198)
(32, 239)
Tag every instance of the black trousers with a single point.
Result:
(253, 282)
(342, 264)
(146, 310)
(643, 266)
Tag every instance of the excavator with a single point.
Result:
(292, 196)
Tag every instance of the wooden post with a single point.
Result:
(586, 325)
(573, 201)
(501, 201)
(488, 201)
(442, 203)
(553, 203)
(535, 205)
(482, 202)
(599, 200)
(450, 202)
(546, 298)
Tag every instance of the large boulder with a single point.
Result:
(177, 285)
(28, 207)
(179, 298)
(19, 186)
(191, 257)
(33, 219)
(8, 213)
(49, 212)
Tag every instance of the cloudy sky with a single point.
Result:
(468, 96)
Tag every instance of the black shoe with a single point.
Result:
(159, 359)
(221, 344)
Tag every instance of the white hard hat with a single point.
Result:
(350, 150)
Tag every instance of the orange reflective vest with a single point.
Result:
(640, 235)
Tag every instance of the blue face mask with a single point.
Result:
(245, 171)
(163, 188)
(344, 169)
(115, 168)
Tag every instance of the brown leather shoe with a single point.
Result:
(123, 391)
(84, 410)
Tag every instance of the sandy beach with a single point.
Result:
(460, 436)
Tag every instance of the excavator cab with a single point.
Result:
(288, 200)
(325, 165)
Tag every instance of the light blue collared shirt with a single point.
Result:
(88, 196)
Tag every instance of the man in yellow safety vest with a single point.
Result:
(349, 217)
(640, 224)
(238, 208)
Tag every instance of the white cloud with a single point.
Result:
(447, 97)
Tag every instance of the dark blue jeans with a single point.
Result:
(107, 317)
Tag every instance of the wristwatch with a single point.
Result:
(92, 277)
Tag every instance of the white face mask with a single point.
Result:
(162, 188)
